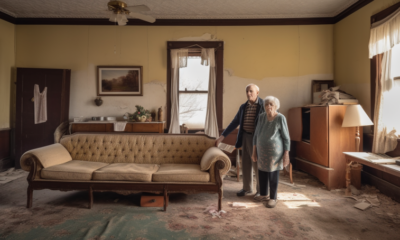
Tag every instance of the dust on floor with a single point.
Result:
(309, 212)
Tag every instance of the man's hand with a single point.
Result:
(286, 159)
(219, 140)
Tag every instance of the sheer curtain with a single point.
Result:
(384, 35)
(211, 126)
(178, 60)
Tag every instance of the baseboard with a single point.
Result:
(383, 186)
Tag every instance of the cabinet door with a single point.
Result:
(319, 136)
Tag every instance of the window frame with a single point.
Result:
(219, 53)
(376, 60)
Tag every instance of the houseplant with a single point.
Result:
(140, 115)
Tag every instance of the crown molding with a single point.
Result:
(7, 18)
(353, 8)
(190, 22)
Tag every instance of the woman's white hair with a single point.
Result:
(272, 99)
(252, 84)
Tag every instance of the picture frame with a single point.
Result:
(119, 81)
(320, 85)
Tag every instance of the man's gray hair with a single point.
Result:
(272, 99)
(252, 84)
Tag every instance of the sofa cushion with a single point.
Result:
(126, 171)
(72, 170)
(180, 173)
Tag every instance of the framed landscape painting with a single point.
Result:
(119, 81)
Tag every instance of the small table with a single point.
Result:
(108, 126)
(365, 159)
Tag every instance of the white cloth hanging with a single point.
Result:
(384, 34)
(385, 137)
(178, 60)
(211, 126)
(119, 126)
(40, 104)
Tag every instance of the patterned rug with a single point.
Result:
(309, 212)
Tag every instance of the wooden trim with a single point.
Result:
(353, 8)
(190, 22)
(384, 13)
(219, 54)
(193, 92)
(7, 18)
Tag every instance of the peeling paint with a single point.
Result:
(155, 82)
(204, 37)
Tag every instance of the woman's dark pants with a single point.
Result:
(268, 180)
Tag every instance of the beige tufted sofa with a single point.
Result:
(159, 163)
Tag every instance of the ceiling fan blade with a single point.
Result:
(138, 8)
(143, 17)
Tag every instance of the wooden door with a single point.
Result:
(29, 135)
(319, 136)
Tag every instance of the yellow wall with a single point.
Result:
(352, 63)
(7, 63)
(282, 60)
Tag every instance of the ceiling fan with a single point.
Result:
(120, 10)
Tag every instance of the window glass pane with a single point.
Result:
(192, 109)
(395, 68)
(195, 76)
(390, 112)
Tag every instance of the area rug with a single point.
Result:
(309, 212)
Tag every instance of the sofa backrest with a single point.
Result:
(137, 148)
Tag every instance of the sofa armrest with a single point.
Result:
(47, 156)
(211, 156)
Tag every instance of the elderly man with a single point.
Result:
(246, 118)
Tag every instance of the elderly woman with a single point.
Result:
(271, 145)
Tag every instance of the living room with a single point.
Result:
(282, 57)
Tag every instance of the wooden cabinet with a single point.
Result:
(320, 142)
(29, 135)
(135, 127)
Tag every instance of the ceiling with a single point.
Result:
(180, 9)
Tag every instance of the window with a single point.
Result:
(193, 92)
(392, 98)
(193, 84)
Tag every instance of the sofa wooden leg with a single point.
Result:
(165, 198)
(29, 197)
(219, 200)
(90, 198)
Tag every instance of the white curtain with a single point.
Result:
(386, 105)
(178, 60)
(384, 34)
(211, 126)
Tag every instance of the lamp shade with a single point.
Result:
(355, 116)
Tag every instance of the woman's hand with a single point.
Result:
(286, 159)
(254, 154)
(254, 157)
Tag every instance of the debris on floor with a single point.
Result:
(213, 210)
(292, 184)
(239, 205)
(11, 174)
(362, 205)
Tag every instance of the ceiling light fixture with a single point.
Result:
(120, 11)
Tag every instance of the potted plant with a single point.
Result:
(140, 115)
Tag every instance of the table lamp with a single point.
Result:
(355, 116)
